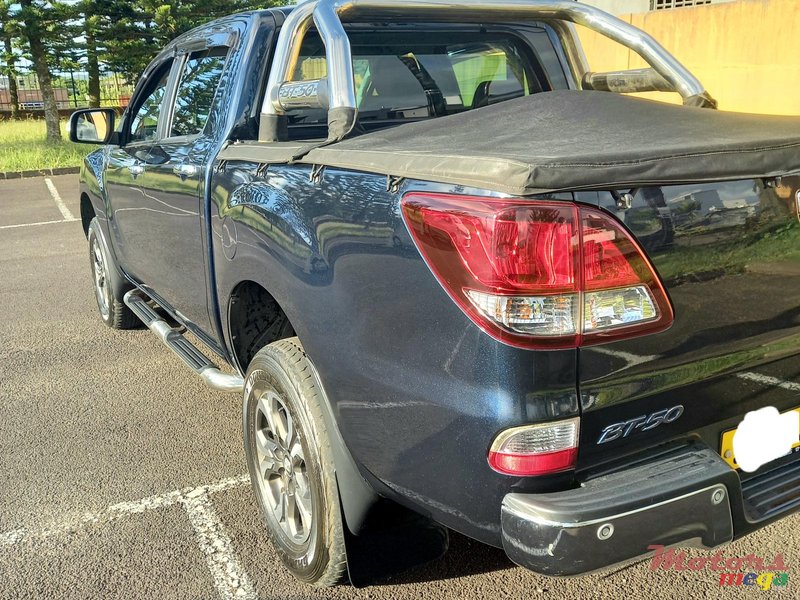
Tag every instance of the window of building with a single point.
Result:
(664, 4)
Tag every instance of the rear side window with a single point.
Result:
(195, 96)
(411, 75)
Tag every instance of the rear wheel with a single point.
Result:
(291, 465)
(109, 288)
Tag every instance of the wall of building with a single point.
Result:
(617, 7)
(746, 53)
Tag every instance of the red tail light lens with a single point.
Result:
(538, 274)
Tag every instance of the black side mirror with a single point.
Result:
(92, 126)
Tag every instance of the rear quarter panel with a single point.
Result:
(417, 389)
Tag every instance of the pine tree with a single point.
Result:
(9, 59)
(118, 35)
(133, 33)
(92, 20)
(33, 28)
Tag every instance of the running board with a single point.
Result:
(175, 341)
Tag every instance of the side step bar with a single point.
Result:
(174, 340)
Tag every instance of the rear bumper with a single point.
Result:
(681, 496)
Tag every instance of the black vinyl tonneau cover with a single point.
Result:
(576, 139)
(568, 140)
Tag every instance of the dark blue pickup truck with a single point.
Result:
(461, 281)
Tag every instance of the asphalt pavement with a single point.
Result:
(122, 476)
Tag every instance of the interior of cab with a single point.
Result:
(413, 75)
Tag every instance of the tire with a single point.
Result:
(109, 286)
(297, 493)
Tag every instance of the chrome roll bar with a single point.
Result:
(328, 16)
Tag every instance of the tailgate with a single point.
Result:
(729, 256)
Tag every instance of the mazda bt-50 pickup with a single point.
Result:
(461, 281)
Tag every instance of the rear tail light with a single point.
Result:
(536, 449)
(538, 274)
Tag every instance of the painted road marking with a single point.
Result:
(35, 224)
(65, 212)
(229, 577)
(12, 537)
(116, 511)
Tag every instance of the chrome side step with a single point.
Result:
(174, 340)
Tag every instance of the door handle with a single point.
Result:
(184, 170)
(136, 170)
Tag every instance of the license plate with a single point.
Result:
(726, 447)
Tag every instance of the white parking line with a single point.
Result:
(12, 537)
(229, 578)
(67, 214)
(36, 224)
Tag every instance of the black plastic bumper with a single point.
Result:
(678, 497)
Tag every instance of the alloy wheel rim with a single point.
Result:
(281, 466)
(101, 285)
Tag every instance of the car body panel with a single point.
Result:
(337, 257)
(729, 255)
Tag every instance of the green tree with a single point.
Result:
(34, 26)
(91, 20)
(133, 33)
(120, 36)
(8, 59)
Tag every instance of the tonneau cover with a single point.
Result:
(564, 140)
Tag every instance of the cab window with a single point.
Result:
(146, 114)
(195, 96)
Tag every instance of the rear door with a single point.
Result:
(173, 187)
(729, 256)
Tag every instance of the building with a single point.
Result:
(618, 7)
(744, 51)
(32, 99)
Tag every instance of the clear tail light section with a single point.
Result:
(536, 449)
(538, 274)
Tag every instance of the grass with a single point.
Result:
(23, 147)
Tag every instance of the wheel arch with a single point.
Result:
(365, 512)
(255, 319)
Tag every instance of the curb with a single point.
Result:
(39, 173)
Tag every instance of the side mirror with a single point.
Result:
(92, 126)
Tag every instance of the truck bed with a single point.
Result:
(528, 145)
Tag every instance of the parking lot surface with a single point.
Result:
(123, 476)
